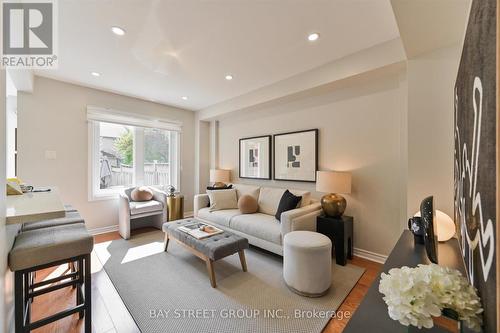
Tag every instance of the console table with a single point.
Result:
(371, 315)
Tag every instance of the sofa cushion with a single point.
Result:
(222, 199)
(259, 225)
(242, 189)
(221, 217)
(306, 197)
(269, 199)
(140, 207)
(288, 202)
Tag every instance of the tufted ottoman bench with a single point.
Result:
(208, 249)
(307, 263)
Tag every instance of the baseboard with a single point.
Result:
(372, 256)
(189, 214)
(103, 230)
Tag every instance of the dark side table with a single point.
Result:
(340, 232)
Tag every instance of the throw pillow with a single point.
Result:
(211, 188)
(288, 202)
(222, 199)
(247, 204)
(142, 193)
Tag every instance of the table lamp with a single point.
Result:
(220, 177)
(445, 226)
(333, 182)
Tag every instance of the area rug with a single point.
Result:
(170, 291)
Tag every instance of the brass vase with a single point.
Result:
(333, 205)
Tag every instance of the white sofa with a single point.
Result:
(262, 229)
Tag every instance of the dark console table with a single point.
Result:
(339, 230)
(371, 315)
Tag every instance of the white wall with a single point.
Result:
(431, 81)
(11, 135)
(53, 117)
(359, 131)
(7, 233)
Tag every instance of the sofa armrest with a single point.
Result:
(161, 196)
(200, 201)
(303, 218)
(124, 215)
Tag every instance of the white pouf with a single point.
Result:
(307, 263)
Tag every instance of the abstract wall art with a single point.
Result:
(476, 156)
(296, 156)
(255, 157)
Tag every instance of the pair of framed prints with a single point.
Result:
(295, 156)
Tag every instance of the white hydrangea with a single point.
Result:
(414, 295)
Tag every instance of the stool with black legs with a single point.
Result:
(72, 216)
(47, 247)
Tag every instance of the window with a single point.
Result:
(125, 151)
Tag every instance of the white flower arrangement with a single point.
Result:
(414, 295)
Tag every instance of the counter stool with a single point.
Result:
(72, 217)
(47, 247)
(307, 263)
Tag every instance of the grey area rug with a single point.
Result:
(171, 292)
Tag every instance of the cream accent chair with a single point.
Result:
(130, 210)
(262, 229)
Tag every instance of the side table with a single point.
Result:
(175, 204)
(340, 232)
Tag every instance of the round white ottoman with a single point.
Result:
(307, 263)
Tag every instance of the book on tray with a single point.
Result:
(200, 230)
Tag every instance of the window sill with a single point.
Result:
(104, 196)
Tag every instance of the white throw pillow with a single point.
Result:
(242, 189)
(222, 199)
(269, 199)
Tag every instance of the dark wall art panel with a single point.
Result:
(476, 155)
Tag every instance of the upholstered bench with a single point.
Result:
(46, 247)
(307, 263)
(208, 249)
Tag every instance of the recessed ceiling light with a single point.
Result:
(118, 31)
(313, 37)
(184, 98)
(96, 74)
(229, 77)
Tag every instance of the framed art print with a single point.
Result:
(296, 156)
(477, 156)
(255, 157)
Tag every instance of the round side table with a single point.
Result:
(175, 206)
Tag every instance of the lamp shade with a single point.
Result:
(220, 175)
(333, 182)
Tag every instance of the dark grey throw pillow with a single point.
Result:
(288, 202)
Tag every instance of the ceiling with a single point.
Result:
(421, 23)
(181, 48)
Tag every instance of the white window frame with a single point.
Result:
(95, 115)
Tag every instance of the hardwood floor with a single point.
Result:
(110, 315)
